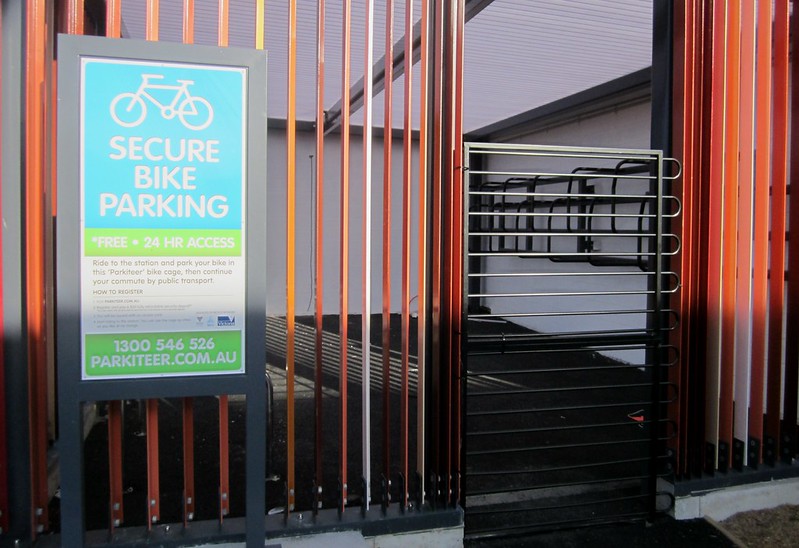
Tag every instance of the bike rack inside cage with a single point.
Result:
(567, 320)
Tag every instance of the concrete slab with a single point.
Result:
(723, 503)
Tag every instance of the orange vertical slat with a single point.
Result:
(406, 251)
(388, 125)
(224, 425)
(188, 21)
(151, 20)
(153, 487)
(729, 181)
(224, 22)
(457, 247)
(291, 184)
(35, 249)
(345, 246)
(189, 499)
(761, 225)
(320, 233)
(743, 299)
(778, 201)
(259, 24)
(153, 484)
(715, 235)
(75, 16)
(422, 256)
(113, 18)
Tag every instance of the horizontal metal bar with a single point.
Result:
(566, 294)
(519, 488)
(576, 175)
(624, 366)
(564, 214)
(496, 412)
(523, 471)
(500, 233)
(544, 255)
(555, 390)
(560, 428)
(564, 446)
(506, 509)
(502, 193)
(503, 531)
(570, 313)
(565, 274)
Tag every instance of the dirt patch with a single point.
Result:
(776, 527)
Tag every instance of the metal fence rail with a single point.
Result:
(566, 378)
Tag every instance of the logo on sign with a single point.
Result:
(225, 321)
(129, 109)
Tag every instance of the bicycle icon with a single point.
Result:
(129, 109)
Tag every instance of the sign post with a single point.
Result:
(161, 240)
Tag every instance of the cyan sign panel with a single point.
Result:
(162, 218)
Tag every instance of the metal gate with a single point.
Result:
(567, 374)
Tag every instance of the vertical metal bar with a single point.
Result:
(189, 500)
(259, 24)
(224, 425)
(188, 21)
(75, 16)
(458, 196)
(113, 18)
(743, 298)
(345, 246)
(778, 200)
(436, 244)
(188, 460)
(729, 223)
(422, 260)
(115, 463)
(153, 495)
(224, 458)
(406, 252)
(366, 260)
(153, 487)
(291, 200)
(761, 222)
(4, 521)
(224, 13)
(715, 235)
(151, 20)
(319, 239)
(36, 212)
(388, 126)
(790, 396)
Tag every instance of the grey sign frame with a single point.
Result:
(72, 391)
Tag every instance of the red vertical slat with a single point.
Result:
(729, 181)
(761, 225)
(344, 236)
(153, 487)
(188, 21)
(778, 200)
(75, 16)
(35, 235)
(320, 233)
(406, 252)
(115, 463)
(388, 126)
(291, 207)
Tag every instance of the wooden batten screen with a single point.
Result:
(420, 463)
(733, 118)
